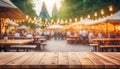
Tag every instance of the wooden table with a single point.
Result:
(105, 39)
(10, 42)
(73, 39)
(15, 41)
(59, 60)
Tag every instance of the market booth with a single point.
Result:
(9, 12)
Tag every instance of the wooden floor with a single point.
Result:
(59, 60)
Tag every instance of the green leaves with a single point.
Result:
(81, 8)
(25, 6)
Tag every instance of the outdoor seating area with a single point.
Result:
(41, 34)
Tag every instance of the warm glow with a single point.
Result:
(70, 20)
(102, 12)
(111, 8)
(81, 19)
(27, 17)
(88, 16)
(95, 14)
(75, 19)
(118, 27)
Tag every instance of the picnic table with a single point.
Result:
(106, 41)
(9, 42)
(59, 60)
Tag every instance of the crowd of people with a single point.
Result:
(60, 35)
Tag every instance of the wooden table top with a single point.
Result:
(15, 41)
(59, 60)
(106, 39)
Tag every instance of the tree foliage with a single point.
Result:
(25, 6)
(81, 8)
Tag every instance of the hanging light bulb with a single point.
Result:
(34, 18)
(95, 14)
(52, 20)
(27, 17)
(81, 18)
(75, 19)
(88, 16)
(110, 8)
(70, 20)
(46, 20)
(102, 12)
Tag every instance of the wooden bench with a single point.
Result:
(95, 47)
(25, 47)
(43, 44)
(114, 47)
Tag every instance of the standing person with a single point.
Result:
(84, 36)
(55, 35)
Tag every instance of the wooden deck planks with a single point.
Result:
(112, 60)
(99, 62)
(73, 60)
(63, 60)
(84, 61)
(59, 60)
(50, 60)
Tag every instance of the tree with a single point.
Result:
(25, 6)
(81, 8)
(44, 13)
(55, 12)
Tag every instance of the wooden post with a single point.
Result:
(0, 28)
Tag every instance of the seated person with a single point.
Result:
(17, 35)
(29, 35)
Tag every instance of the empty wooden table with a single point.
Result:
(59, 60)
(10, 42)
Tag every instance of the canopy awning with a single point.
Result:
(9, 10)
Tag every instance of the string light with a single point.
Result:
(27, 17)
(95, 14)
(70, 20)
(81, 18)
(110, 8)
(75, 19)
(102, 12)
(88, 16)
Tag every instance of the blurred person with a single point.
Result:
(17, 35)
(29, 35)
(91, 35)
(99, 35)
(68, 33)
